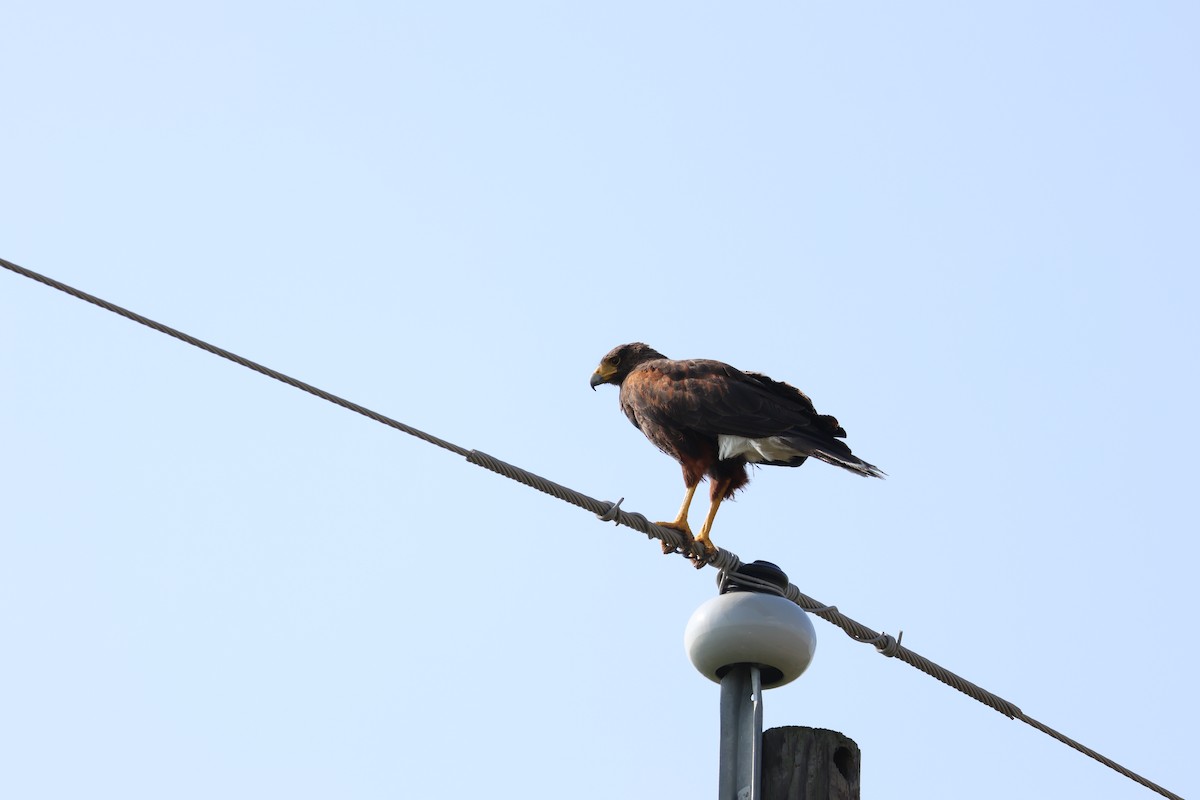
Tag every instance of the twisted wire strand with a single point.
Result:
(673, 540)
(245, 362)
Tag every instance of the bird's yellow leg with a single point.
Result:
(706, 528)
(681, 519)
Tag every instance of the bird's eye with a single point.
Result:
(614, 360)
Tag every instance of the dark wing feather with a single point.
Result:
(651, 398)
(793, 396)
(672, 401)
(677, 395)
(715, 398)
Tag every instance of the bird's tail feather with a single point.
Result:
(848, 461)
(792, 450)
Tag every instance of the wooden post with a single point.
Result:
(809, 764)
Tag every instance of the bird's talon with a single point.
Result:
(682, 527)
(706, 552)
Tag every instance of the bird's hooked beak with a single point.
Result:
(603, 374)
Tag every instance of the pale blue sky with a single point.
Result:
(967, 231)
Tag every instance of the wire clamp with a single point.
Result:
(613, 511)
(887, 646)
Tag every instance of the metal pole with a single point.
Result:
(741, 734)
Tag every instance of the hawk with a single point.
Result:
(714, 419)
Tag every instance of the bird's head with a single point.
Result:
(620, 361)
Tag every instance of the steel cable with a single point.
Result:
(673, 540)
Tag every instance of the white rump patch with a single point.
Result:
(772, 448)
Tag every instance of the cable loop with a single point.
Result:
(727, 579)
